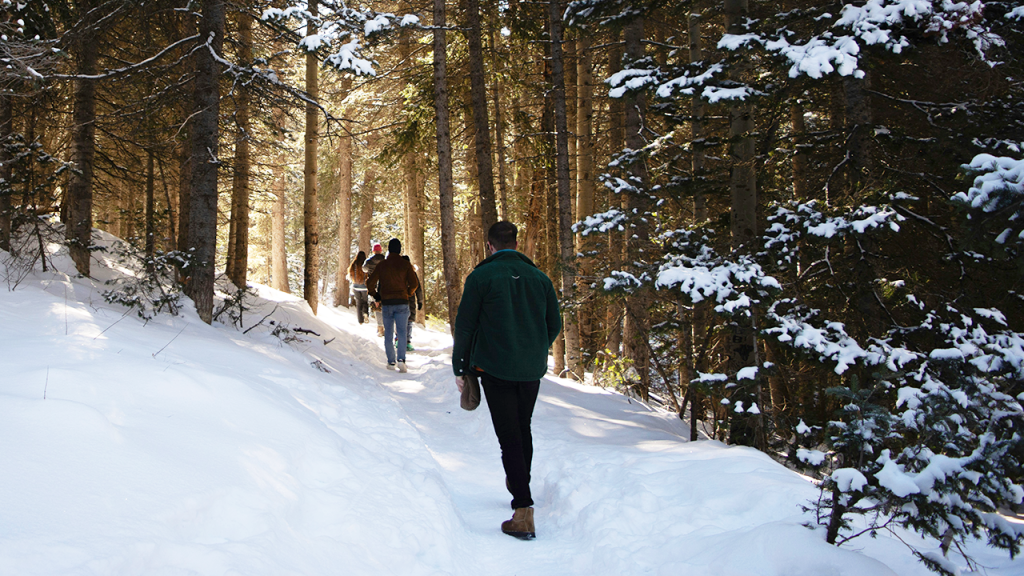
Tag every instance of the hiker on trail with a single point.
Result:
(358, 279)
(368, 267)
(392, 283)
(507, 320)
(415, 303)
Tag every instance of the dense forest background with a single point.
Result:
(795, 223)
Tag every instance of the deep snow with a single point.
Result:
(173, 447)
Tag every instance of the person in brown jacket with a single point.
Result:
(392, 283)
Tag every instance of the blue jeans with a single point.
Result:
(396, 316)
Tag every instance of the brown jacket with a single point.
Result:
(394, 280)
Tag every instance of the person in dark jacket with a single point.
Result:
(415, 303)
(358, 279)
(507, 320)
(368, 267)
(392, 283)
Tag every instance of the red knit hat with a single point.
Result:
(377, 247)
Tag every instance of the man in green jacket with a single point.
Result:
(507, 320)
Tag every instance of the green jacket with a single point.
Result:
(507, 319)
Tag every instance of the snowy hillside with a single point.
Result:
(174, 447)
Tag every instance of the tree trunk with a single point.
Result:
(341, 291)
(499, 134)
(202, 236)
(150, 205)
(637, 323)
(585, 180)
(522, 183)
(6, 129)
(418, 249)
(171, 240)
(369, 189)
(184, 186)
(238, 257)
(799, 167)
(700, 314)
(413, 213)
(368, 195)
(478, 96)
(278, 249)
(745, 428)
(616, 245)
(858, 124)
(534, 216)
(474, 217)
(311, 268)
(445, 186)
(570, 327)
(552, 262)
(83, 137)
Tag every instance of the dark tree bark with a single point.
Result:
(616, 244)
(150, 205)
(184, 187)
(202, 232)
(6, 129)
(83, 136)
(445, 186)
(585, 182)
(238, 254)
(745, 428)
(637, 322)
(699, 324)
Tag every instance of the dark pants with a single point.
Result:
(362, 304)
(511, 405)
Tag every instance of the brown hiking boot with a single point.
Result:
(380, 331)
(521, 524)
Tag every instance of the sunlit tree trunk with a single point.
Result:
(368, 196)
(311, 268)
(499, 133)
(278, 249)
(482, 136)
(570, 327)
(445, 186)
(345, 255)
(474, 216)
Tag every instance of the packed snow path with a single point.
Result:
(173, 447)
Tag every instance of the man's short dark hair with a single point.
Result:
(502, 235)
(395, 246)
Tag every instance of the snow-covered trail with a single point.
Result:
(618, 489)
(178, 448)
